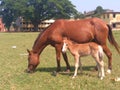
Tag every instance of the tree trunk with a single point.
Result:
(36, 23)
(36, 27)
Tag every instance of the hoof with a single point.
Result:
(54, 73)
(73, 77)
(109, 71)
(67, 71)
(95, 68)
(101, 78)
(28, 71)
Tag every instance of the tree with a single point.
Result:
(98, 11)
(11, 9)
(39, 10)
(79, 15)
(36, 10)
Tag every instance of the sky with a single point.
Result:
(89, 5)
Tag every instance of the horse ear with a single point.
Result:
(28, 51)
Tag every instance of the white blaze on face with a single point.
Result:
(64, 47)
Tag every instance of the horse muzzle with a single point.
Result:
(29, 71)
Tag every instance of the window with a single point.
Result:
(114, 15)
(114, 25)
(107, 15)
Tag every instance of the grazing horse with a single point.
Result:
(79, 50)
(80, 31)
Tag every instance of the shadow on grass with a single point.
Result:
(53, 72)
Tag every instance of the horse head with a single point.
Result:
(33, 61)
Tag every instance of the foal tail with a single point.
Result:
(112, 40)
(100, 52)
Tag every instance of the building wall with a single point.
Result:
(112, 18)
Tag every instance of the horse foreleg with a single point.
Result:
(66, 61)
(76, 66)
(109, 55)
(58, 57)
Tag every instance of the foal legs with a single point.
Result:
(76, 65)
(102, 70)
(80, 64)
(101, 73)
(100, 66)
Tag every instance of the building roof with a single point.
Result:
(111, 12)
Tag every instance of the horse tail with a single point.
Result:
(112, 40)
(100, 52)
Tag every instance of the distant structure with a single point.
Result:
(2, 28)
(22, 25)
(28, 26)
(109, 16)
(112, 18)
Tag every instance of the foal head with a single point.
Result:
(66, 44)
(33, 61)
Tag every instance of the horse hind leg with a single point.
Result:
(109, 55)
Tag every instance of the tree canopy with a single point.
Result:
(36, 10)
(98, 11)
(11, 9)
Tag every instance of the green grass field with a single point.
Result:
(13, 62)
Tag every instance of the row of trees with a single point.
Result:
(36, 10)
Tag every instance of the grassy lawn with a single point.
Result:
(13, 62)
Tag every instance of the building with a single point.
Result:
(21, 25)
(28, 26)
(109, 16)
(112, 18)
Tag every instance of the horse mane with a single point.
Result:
(40, 34)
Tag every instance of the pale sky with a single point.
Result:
(89, 5)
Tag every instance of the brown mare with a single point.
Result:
(80, 50)
(80, 31)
